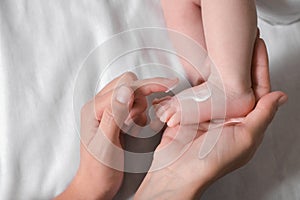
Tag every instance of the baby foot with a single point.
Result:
(182, 108)
(203, 103)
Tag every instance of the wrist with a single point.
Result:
(164, 185)
(77, 190)
(86, 186)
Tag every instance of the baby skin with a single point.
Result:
(227, 30)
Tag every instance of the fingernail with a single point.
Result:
(163, 118)
(128, 120)
(282, 100)
(170, 124)
(123, 95)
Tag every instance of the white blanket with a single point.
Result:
(42, 46)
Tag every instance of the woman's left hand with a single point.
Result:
(188, 175)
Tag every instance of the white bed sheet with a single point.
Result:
(43, 44)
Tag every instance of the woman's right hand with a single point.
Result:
(101, 155)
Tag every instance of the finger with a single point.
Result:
(260, 70)
(139, 105)
(146, 87)
(141, 119)
(161, 108)
(106, 144)
(109, 127)
(174, 120)
(103, 99)
(165, 117)
(258, 120)
(113, 118)
(156, 125)
(149, 86)
(101, 102)
(127, 77)
(87, 123)
(138, 109)
(157, 101)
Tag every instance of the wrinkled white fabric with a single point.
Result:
(42, 46)
(279, 11)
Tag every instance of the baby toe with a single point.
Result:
(160, 109)
(174, 120)
(165, 116)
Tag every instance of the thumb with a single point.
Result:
(113, 118)
(106, 146)
(259, 119)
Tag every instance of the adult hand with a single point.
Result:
(101, 157)
(188, 176)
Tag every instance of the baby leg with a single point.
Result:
(184, 16)
(230, 32)
(229, 48)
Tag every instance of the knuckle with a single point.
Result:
(130, 75)
(85, 109)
